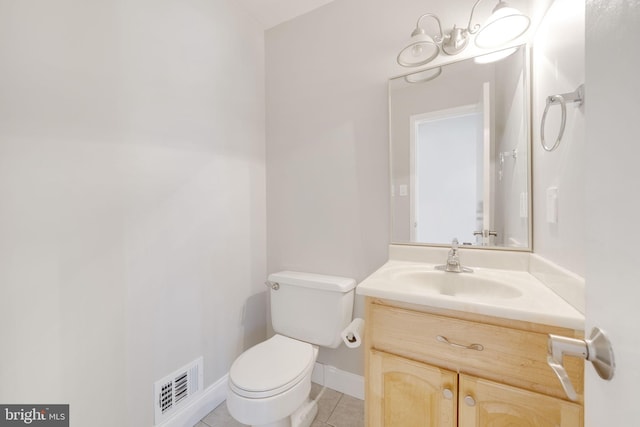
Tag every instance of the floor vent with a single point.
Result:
(174, 390)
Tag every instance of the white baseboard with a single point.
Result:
(339, 380)
(326, 375)
(191, 414)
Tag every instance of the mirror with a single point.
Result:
(460, 154)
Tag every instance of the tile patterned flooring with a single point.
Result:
(334, 410)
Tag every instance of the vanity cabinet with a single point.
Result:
(404, 393)
(433, 367)
(487, 403)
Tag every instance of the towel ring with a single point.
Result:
(562, 99)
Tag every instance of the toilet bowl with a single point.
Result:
(270, 381)
(269, 384)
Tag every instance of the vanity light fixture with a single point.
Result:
(504, 25)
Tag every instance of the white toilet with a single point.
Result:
(269, 384)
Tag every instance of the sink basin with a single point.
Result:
(510, 294)
(457, 285)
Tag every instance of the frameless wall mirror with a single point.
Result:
(460, 153)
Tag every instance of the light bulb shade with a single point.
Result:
(504, 25)
(422, 50)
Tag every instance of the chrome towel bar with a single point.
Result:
(561, 99)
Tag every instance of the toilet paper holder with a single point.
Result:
(352, 334)
(350, 337)
(597, 350)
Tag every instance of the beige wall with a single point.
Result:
(132, 199)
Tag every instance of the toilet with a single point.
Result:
(269, 384)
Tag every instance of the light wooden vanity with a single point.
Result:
(437, 367)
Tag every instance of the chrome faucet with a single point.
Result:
(453, 261)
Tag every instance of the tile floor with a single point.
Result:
(334, 410)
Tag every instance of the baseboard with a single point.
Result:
(339, 380)
(208, 400)
(326, 375)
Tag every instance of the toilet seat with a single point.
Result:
(271, 367)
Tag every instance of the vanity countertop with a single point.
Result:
(509, 294)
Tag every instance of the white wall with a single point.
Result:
(327, 161)
(327, 130)
(132, 199)
(558, 67)
(613, 206)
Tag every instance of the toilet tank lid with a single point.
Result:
(312, 280)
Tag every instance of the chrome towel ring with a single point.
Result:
(562, 99)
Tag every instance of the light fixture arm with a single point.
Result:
(419, 30)
(476, 27)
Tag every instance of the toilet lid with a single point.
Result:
(271, 367)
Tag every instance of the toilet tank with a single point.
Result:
(311, 307)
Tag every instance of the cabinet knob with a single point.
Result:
(447, 393)
(470, 401)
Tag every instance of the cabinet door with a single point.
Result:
(405, 393)
(483, 403)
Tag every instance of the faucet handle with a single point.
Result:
(454, 243)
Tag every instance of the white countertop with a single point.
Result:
(532, 300)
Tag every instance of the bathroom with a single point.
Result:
(159, 159)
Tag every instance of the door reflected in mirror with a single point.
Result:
(460, 153)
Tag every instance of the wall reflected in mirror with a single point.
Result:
(460, 154)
